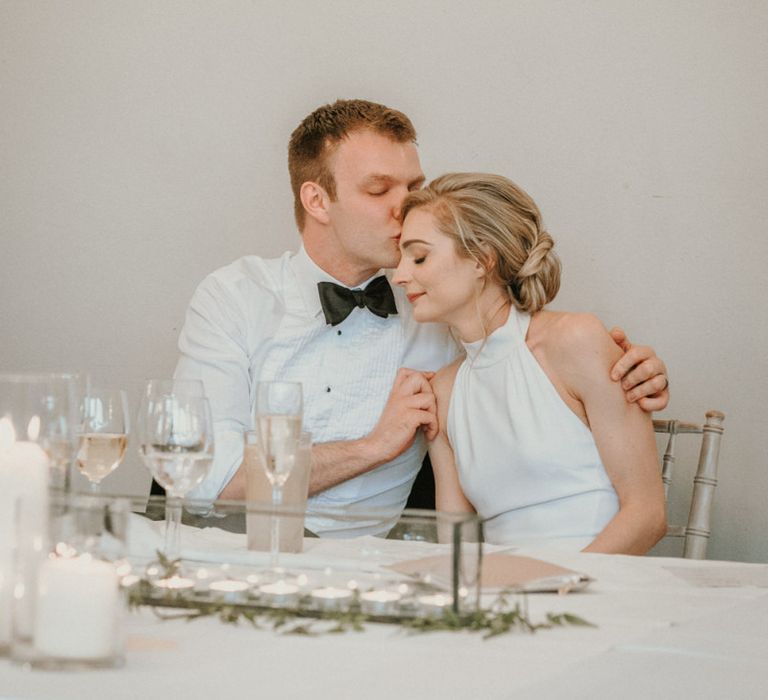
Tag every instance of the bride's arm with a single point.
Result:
(449, 496)
(623, 433)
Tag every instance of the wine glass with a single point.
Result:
(60, 414)
(50, 401)
(277, 415)
(176, 444)
(103, 433)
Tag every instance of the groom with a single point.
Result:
(327, 318)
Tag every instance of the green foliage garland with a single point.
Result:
(501, 618)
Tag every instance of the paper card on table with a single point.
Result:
(501, 571)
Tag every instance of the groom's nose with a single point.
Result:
(399, 276)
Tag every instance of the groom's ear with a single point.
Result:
(315, 201)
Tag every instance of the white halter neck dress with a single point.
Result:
(527, 463)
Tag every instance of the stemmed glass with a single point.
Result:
(58, 436)
(176, 444)
(103, 433)
(277, 413)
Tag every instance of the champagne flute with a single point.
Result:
(278, 413)
(176, 444)
(103, 433)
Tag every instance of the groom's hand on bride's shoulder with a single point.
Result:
(643, 375)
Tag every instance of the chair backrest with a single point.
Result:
(697, 530)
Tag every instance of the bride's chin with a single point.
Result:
(424, 317)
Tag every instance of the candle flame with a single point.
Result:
(33, 428)
(7, 434)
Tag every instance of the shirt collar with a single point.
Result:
(309, 273)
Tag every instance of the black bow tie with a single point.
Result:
(339, 301)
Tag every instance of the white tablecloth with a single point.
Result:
(665, 628)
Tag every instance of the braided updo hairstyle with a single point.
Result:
(497, 224)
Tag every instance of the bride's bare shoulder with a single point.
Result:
(571, 338)
(442, 382)
(556, 328)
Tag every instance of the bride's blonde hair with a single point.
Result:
(496, 223)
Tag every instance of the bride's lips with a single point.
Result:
(414, 297)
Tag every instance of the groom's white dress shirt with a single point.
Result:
(260, 319)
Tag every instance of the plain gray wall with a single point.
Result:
(143, 144)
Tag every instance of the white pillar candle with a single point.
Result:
(6, 565)
(331, 598)
(77, 609)
(23, 518)
(379, 602)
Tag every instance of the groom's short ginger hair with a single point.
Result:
(318, 135)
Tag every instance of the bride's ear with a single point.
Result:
(485, 263)
(315, 201)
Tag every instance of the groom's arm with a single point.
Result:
(409, 408)
(642, 374)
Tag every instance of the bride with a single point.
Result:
(533, 433)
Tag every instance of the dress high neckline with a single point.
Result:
(495, 346)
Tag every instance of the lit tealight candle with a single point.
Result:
(229, 590)
(174, 583)
(123, 568)
(280, 593)
(129, 580)
(435, 604)
(379, 602)
(201, 580)
(330, 598)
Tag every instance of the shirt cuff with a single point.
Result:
(227, 459)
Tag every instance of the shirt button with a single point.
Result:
(338, 332)
(327, 389)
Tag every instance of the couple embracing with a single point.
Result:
(537, 420)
